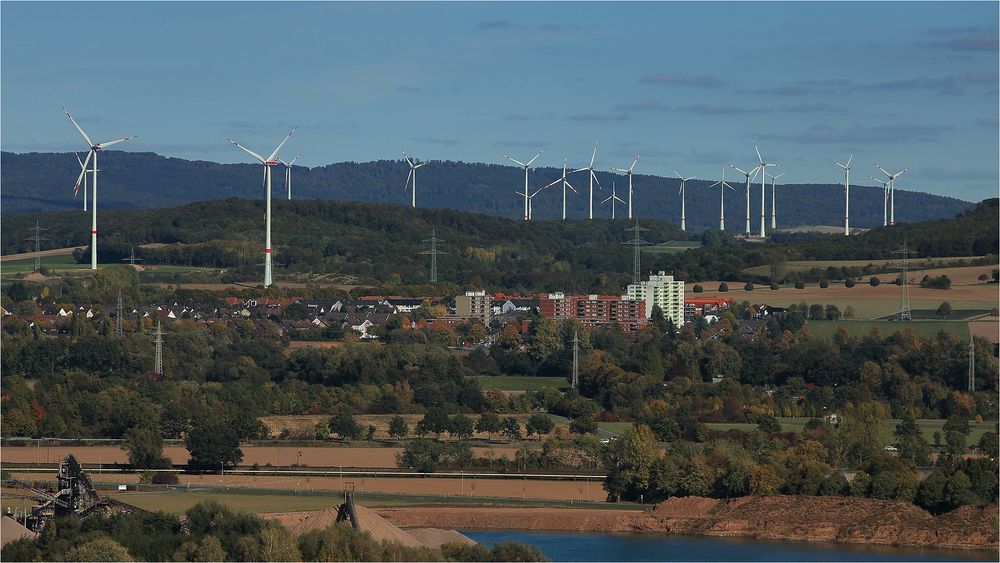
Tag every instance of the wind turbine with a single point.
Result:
(532, 196)
(268, 163)
(723, 184)
(763, 178)
(773, 180)
(885, 199)
(847, 194)
(525, 166)
(85, 172)
(753, 171)
(593, 178)
(288, 174)
(613, 198)
(629, 174)
(412, 174)
(892, 192)
(565, 184)
(93, 182)
(681, 191)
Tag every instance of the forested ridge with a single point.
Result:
(383, 243)
(34, 182)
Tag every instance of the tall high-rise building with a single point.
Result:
(473, 305)
(661, 290)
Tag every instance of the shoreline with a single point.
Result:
(777, 518)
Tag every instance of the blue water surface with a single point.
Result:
(570, 546)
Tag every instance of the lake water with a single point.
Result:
(570, 546)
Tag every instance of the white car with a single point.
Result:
(891, 448)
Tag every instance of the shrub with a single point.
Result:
(848, 283)
(697, 288)
(800, 285)
(723, 287)
(748, 286)
(873, 281)
(774, 286)
(823, 284)
(162, 478)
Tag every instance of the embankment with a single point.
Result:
(788, 518)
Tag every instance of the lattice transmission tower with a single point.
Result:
(158, 361)
(637, 243)
(433, 252)
(37, 239)
(904, 283)
(576, 360)
(119, 314)
(972, 366)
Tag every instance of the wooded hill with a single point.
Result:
(34, 182)
(383, 243)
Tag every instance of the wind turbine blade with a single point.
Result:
(78, 128)
(850, 159)
(419, 165)
(115, 142)
(883, 170)
(554, 182)
(248, 151)
(536, 156)
(83, 171)
(900, 173)
(676, 174)
(578, 170)
(570, 186)
(596, 180)
(518, 162)
(407, 158)
(736, 168)
(726, 184)
(406, 186)
(633, 163)
(593, 156)
(608, 199)
(278, 148)
(620, 199)
(759, 158)
(293, 160)
(715, 184)
(78, 159)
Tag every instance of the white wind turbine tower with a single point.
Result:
(525, 166)
(763, 177)
(753, 171)
(885, 199)
(723, 184)
(268, 163)
(93, 182)
(629, 174)
(847, 194)
(412, 174)
(84, 174)
(613, 198)
(288, 174)
(681, 191)
(892, 192)
(593, 178)
(565, 184)
(774, 222)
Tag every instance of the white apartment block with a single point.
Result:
(663, 291)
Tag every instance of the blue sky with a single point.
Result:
(686, 85)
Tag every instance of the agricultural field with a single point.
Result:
(521, 383)
(672, 247)
(926, 329)
(804, 265)
(52, 262)
(885, 431)
(868, 302)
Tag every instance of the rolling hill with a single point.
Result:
(34, 182)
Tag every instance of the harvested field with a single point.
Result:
(986, 327)
(869, 302)
(487, 518)
(305, 425)
(433, 486)
(43, 253)
(262, 455)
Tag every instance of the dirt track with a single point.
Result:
(261, 455)
(435, 486)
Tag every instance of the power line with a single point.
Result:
(433, 252)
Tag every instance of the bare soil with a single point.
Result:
(986, 327)
(50, 252)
